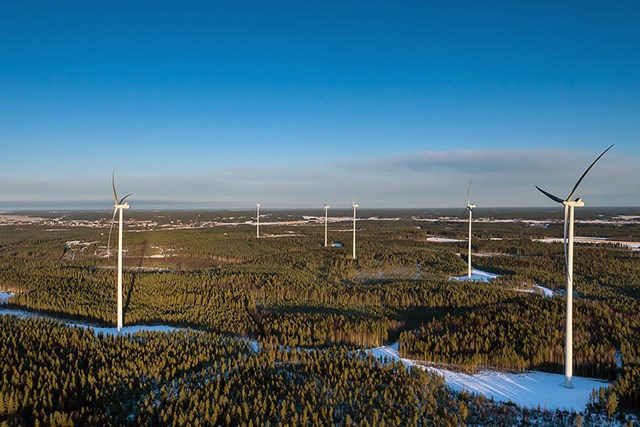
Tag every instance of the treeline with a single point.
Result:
(522, 335)
(58, 375)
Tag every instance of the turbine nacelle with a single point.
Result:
(117, 204)
(578, 203)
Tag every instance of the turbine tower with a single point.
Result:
(258, 220)
(326, 209)
(354, 206)
(118, 206)
(569, 206)
(469, 207)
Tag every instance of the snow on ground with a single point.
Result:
(126, 330)
(480, 275)
(546, 291)
(592, 240)
(443, 240)
(132, 329)
(538, 288)
(4, 297)
(530, 389)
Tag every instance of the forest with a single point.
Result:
(310, 309)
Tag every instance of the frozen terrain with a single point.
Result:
(4, 296)
(443, 240)
(546, 291)
(539, 288)
(132, 329)
(531, 389)
(593, 240)
(479, 275)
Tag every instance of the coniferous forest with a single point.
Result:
(311, 310)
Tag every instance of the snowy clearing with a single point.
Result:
(531, 389)
(4, 296)
(538, 288)
(592, 240)
(443, 240)
(476, 275)
(546, 291)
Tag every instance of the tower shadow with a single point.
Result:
(134, 273)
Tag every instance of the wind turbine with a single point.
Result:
(258, 220)
(326, 209)
(569, 206)
(118, 206)
(354, 206)
(469, 207)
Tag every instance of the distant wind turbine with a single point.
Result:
(569, 206)
(118, 206)
(470, 207)
(258, 220)
(354, 206)
(326, 214)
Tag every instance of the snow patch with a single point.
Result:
(4, 297)
(530, 389)
(126, 330)
(546, 291)
(443, 240)
(476, 275)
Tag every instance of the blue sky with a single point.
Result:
(219, 104)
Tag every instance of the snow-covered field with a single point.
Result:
(4, 296)
(546, 291)
(443, 240)
(480, 275)
(592, 240)
(538, 288)
(531, 389)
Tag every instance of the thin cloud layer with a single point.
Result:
(420, 179)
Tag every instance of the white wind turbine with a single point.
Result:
(118, 206)
(326, 214)
(470, 207)
(354, 206)
(569, 206)
(258, 220)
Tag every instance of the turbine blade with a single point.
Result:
(575, 187)
(469, 192)
(113, 220)
(122, 200)
(551, 196)
(113, 184)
